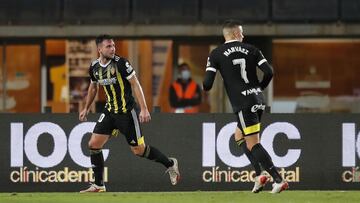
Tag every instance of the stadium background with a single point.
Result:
(46, 48)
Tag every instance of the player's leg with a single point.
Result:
(96, 144)
(241, 142)
(260, 180)
(130, 126)
(100, 136)
(152, 153)
(265, 160)
(250, 122)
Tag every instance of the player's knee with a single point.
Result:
(252, 140)
(138, 150)
(249, 146)
(90, 145)
(93, 148)
(94, 145)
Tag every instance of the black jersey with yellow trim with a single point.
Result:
(114, 77)
(237, 63)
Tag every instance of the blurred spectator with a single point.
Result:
(185, 93)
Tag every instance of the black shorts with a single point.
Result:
(249, 119)
(126, 123)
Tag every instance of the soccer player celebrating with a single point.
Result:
(118, 79)
(237, 62)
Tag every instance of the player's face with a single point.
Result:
(107, 49)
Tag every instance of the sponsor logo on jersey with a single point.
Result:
(251, 91)
(257, 107)
(107, 81)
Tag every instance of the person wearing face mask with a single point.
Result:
(185, 93)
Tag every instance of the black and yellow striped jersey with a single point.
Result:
(114, 77)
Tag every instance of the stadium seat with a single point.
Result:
(308, 11)
(26, 12)
(350, 10)
(214, 11)
(96, 12)
(165, 11)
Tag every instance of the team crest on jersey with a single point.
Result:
(107, 81)
(112, 70)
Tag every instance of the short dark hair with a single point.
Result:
(101, 38)
(231, 23)
(182, 65)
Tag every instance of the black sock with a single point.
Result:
(265, 160)
(97, 162)
(154, 154)
(254, 162)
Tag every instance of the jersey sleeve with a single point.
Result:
(265, 67)
(260, 59)
(126, 70)
(91, 74)
(211, 64)
(211, 69)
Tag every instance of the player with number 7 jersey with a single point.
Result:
(237, 63)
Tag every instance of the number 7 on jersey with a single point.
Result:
(242, 64)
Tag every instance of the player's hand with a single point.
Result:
(144, 116)
(83, 114)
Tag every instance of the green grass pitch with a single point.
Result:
(184, 197)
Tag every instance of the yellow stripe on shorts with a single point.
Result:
(141, 140)
(252, 129)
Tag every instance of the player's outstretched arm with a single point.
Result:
(139, 94)
(92, 91)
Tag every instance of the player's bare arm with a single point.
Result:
(92, 91)
(144, 115)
